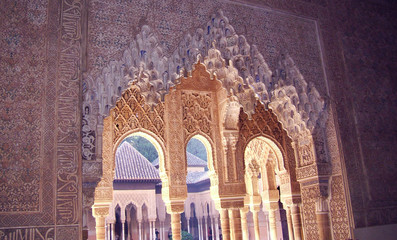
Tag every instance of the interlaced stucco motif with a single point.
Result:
(197, 112)
(132, 112)
(309, 195)
(340, 226)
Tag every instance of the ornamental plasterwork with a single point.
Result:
(136, 197)
(240, 67)
(132, 112)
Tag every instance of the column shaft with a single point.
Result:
(161, 230)
(206, 228)
(188, 225)
(150, 231)
(140, 230)
(272, 224)
(109, 231)
(244, 225)
(123, 230)
(236, 224)
(216, 228)
(289, 222)
(100, 227)
(199, 229)
(113, 231)
(176, 226)
(296, 222)
(231, 224)
(256, 224)
(225, 224)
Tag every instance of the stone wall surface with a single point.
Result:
(347, 49)
(367, 106)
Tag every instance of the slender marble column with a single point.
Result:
(256, 224)
(113, 230)
(123, 229)
(199, 229)
(296, 221)
(231, 224)
(267, 224)
(213, 228)
(244, 225)
(289, 222)
(150, 231)
(225, 224)
(272, 224)
(206, 228)
(154, 229)
(161, 230)
(140, 230)
(106, 231)
(176, 226)
(234, 215)
(216, 228)
(109, 231)
(100, 227)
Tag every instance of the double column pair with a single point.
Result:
(213, 224)
(231, 223)
(293, 220)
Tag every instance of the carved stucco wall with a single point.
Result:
(358, 51)
(358, 24)
(367, 108)
(149, 62)
(40, 121)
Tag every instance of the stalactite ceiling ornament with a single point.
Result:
(240, 67)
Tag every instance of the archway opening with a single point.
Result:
(200, 214)
(137, 200)
(264, 164)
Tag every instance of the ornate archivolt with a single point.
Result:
(280, 105)
(240, 67)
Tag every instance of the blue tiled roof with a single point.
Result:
(196, 177)
(192, 161)
(133, 166)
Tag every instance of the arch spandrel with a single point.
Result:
(132, 112)
(264, 129)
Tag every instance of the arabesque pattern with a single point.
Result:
(131, 112)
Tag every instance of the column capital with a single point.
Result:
(175, 206)
(245, 209)
(270, 196)
(99, 210)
